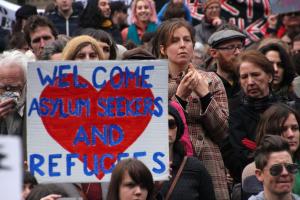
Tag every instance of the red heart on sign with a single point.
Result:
(63, 129)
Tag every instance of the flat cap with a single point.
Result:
(224, 35)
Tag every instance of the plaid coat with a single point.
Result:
(207, 128)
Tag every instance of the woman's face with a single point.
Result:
(291, 132)
(254, 81)
(180, 48)
(129, 190)
(87, 53)
(213, 11)
(274, 57)
(172, 129)
(143, 12)
(106, 50)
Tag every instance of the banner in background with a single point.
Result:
(284, 6)
(11, 167)
(83, 117)
(7, 13)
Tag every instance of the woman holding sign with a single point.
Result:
(82, 48)
(200, 93)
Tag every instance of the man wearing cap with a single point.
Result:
(65, 17)
(210, 22)
(225, 46)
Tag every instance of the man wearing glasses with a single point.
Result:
(275, 169)
(12, 92)
(225, 46)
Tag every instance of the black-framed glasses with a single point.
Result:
(276, 169)
(231, 48)
(172, 124)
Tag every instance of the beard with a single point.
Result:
(227, 66)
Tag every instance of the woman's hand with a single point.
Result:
(201, 85)
(187, 85)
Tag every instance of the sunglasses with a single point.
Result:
(276, 169)
(172, 124)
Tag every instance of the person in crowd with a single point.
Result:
(194, 181)
(275, 169)
(4, 38)
(255, 73)
(18, 42)
(175, 10)
(53, 50)
(29, 182)
(138, 53)
(210, 22)
(97, 15)
(162, 11)
(85, 48)
(130, 180)
(105, 42)
(47, 192)
(280, 119)
(22, 14)
(39, 31)
(296, 53)
(296, 45)
(198, 55)
(119, 14)
(13, 66)
(202, 91)
(285, 26)
(65, 17)
(143, 20)
(82, 48)
(283, 68)
(225, 46)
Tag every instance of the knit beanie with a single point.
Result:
(180, 126)
(209, 2)
(71, 50)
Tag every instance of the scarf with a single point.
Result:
(259, 104)
(133, 33)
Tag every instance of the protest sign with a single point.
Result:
(10, 168)
(284, 6)
(7, 13)
(82, 117)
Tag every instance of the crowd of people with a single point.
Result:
(233, 111)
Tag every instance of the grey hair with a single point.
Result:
(52, 48)
(16, 57)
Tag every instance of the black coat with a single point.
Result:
(194, 183)
(243, 122)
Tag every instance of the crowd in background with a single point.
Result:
(233, 106)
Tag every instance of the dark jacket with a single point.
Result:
(63, 25)
(194, 182)
(204, 30)
(237, 149)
